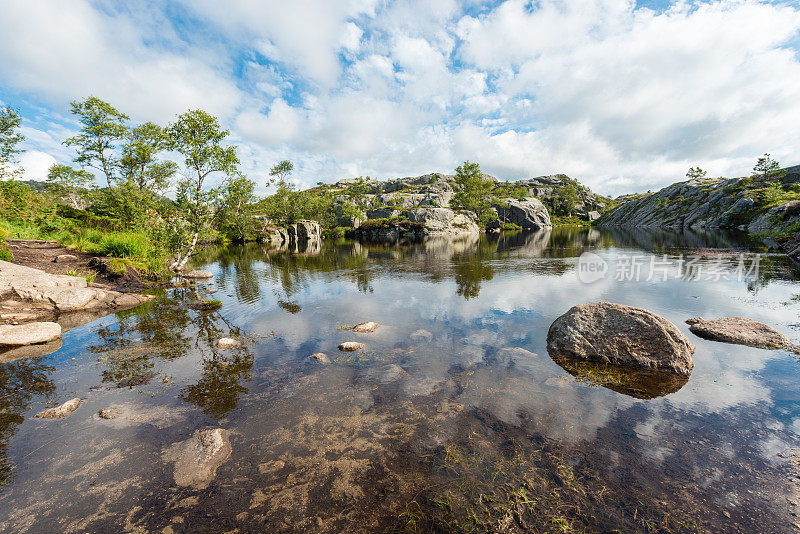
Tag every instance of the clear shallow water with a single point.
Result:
(470, 426)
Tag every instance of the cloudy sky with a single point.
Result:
(621, 95)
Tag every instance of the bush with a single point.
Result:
(6, 254)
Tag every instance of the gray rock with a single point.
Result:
(740, 331)
(38, 290)
(444, 221)
(367, 327)
(60, 412)
(198, 274)
(350, 346)
(61, 258)
(29, 333)
(622, 335)
(593, 215)
(528, 213)
(197, 459)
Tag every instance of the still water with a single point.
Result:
(453, 418)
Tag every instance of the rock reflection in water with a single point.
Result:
(638, 383)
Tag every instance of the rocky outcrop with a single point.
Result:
(739, 330)
(713, 203)
(304, 231)
(197, 459)
(417, 224)
(61, 411)
(444, 221)
(32, 294)
(528, 213)
(28, 334)
(621, 335)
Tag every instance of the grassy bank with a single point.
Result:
(27, 214)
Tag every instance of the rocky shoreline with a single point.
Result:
(718, 203)
(34, 303)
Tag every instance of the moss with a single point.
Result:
(209, 305)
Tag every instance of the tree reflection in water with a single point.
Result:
(20, 381)
(168, 329)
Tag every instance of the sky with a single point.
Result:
(624, 96)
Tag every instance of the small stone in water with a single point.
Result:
(227, 343)
(109, 413)
(367, 327)
(351, 346)
(60, 412)
(321, 357)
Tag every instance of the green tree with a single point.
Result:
(73, 183)
(281, 206)
(234, 207)
(695, 172)
(565, 198)
(10, 138)
(139, 163)
(103, 128)
(767, 167)
(199, 138)
(281, 170)
(474, 193)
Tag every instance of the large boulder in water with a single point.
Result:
(528, 213)
(621, 335)
(739, 330)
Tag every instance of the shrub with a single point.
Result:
(6, 254)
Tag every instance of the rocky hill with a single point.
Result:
(768, 207)
(559, 193)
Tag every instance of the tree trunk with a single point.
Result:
(180, 262)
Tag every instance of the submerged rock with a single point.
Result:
(29, 333)
(136, 380)
(739, 330)
(60, 412)
(421, 335)
(622, 335)
(197, 459)
(198, 274)
(321, 357)
(366, 327)
(350, 346)
(109, 413)
(227, 343)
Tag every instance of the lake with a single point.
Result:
(453, 418)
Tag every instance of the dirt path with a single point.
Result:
(42, 254)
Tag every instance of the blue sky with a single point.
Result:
(621, 95)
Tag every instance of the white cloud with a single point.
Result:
(621, 98)
(60, 51)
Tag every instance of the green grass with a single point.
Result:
(125, 245)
